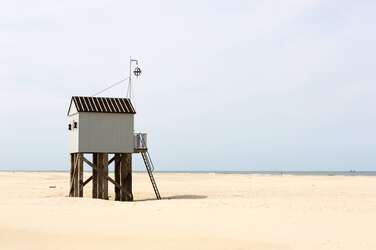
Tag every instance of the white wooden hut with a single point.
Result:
(102, 126)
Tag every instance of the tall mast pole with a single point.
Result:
(129, 91)
(137, 73)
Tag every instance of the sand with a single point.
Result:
(201, 211)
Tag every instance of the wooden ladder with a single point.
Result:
(150, 168)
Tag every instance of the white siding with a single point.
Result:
(72, 109)
(104, 132)
(73, 134)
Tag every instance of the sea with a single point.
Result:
(318, 173)
(302, 173)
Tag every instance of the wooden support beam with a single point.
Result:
(87, 181)
(71, 193)
(116, 184)
(100, 176)
(112, 159)
(95, 176)
(105, 176)
(74, 182)
(117, 176)
(88, 162)
(126, 177)
(80, 173)
(76, 176)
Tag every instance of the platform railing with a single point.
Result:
(140, 141)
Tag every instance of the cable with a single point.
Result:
(111, 86)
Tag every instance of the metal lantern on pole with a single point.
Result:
(137, 72)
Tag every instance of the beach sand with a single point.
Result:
(200, 211)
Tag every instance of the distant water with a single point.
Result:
(317, 173)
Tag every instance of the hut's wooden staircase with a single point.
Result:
(150, 167)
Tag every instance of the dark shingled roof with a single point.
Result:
(102, 104)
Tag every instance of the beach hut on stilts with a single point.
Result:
(101, 134)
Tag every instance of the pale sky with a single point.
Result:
(226, 85)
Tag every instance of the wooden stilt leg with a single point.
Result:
(105, 175)
(117, 176)
(95, 176)
(71, 182)
(126, 177)
(76, 186)
(100, 176)
(80, 165)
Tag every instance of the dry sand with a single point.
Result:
(201, 211)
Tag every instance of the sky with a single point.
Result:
(226, 85)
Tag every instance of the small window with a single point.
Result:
(74, 124)
(69, 126)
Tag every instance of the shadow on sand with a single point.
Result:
(178, 197)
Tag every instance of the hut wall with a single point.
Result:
(73, 134)
(105, 132)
